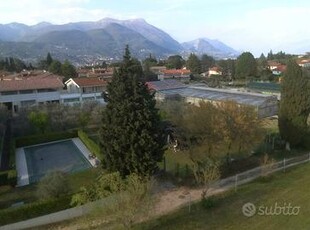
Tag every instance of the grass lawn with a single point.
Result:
(290, 187)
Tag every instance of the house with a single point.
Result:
(84, 89)
(157, 69)
(279, 70)
(23, 92)
(180, 74)
(214, 71)
(265, 105)
(273, 65)
(305, 63)
(105, 73)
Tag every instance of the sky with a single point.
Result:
(246, 25)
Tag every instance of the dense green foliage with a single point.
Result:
(125, 200)
(294, 104)
(90, 144)
(131, 137)
(246, 66)
(206, 62)
(35, 209)
(11, 64)
(175, 62)
(193, 64)
(53, 185)
(39, 119)
(47, 137)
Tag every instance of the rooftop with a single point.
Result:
(88, 81)
(176, 71)
(218, 95)
(31, 84)
(166, 84)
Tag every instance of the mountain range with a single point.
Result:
(83, 42)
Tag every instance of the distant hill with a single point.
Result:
(211, 47)
(83, 42)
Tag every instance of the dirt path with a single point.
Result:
(172, 200)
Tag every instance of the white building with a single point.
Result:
(16, 94)
(25, 92)
(84, 89)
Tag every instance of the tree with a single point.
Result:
(53, 185)
(240, 123)
(175, 62)
(127, 200)
(49, 59)
(193, 64)
(68, 70)
(294, 105)
(4, 114)
(131, 136)
(55, 67)
(39, 119)
(147, 64)
(206, 62)
(228, 67)
(246, 66)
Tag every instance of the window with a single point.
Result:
(26, 91)
(71, 100)
(9, 93)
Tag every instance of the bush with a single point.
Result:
(208, 202)
(4, 178)
(53, 185)
(12, 155)
(42, 138)
(8, 177)
(32, 210)
(90, 144)
(12, 177)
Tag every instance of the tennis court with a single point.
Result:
(61, 156)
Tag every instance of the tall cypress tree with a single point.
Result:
(131, 137)
(294, 104)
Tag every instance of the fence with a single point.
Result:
(245, 177)
(227, 183)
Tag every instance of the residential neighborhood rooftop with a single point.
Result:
(89, 81)
(166, 84)
(31, 84)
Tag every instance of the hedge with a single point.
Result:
(90, 144)
(32, 210)
(8, 177)
(42, 138)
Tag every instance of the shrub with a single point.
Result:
(90, 144)
(208, 202)
(12, 177)
(8, 177)
(42, 138)
(32, 210)
(4, 178)
(53, 185)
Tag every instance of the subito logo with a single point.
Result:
(249, 209)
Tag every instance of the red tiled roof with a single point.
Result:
(31, 84)
(273, 63)
(215, 68)
(281, 68)
(303, 61)
(176, 71)
(89, 81)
